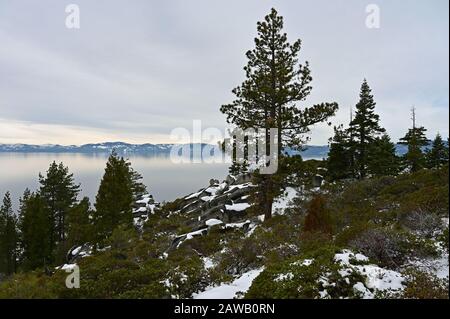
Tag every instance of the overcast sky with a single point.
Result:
(137, 69)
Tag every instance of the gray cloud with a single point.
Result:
(136, 70)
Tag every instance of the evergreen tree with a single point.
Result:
(382, 160)
(21, 213)
(415, 139)
(8, 237)
(364, 129)
(268, 97)
(59, 191)
(36, 227)
(80, 226)
(137, 186)
(438, 155)
(339, 161)
(114, 198)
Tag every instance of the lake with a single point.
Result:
(164, 180)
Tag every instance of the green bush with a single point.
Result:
(294, 279)
(422, 285)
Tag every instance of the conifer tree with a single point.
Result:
(415, 139)
(8, 237)
(137, 186)
(36, 227)
(339, 161)
(114, 198)
(60, 192)
(364, 129)
(438, 155)
(268, 98)
(382, 160)
(80, 227)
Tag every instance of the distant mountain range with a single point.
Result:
(107, 147)
(312, 151)
(124, 148)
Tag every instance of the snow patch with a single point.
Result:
(229, 291)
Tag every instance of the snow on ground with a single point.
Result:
(305, 262)
(229, 290)
(140, 210)
(282, 202)
(213, 222)
(282, 277)
(237, 207)
(377, 278)
(208, 263)
(251, 229)
(194, 233)
(68, 266)
(237, 225)
(437, 266)
(194, 195)
(145, 200)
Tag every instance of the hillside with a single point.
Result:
(379, 238)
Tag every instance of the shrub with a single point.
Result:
(318, 217)
(186, 277)
(422, 285)
(386, 247)
(319, 278)
(424, 223)
(32, 285)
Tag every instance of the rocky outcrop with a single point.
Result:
(226, 202)
(144, 207)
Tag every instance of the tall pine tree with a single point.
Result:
(36, 227)
(382, 160)
(415, 139)
(60, 192)
(8, 237)
(339, 161)
(114, 198)
(80, 226)
(275, 83)
(438, 155)
(364, 129)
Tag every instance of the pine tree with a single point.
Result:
(36, 227)
(268, 97)
(3, 256)
(8, 237)
(382, 160)
(60, 192)
(137, 186)
(415, 139)
(239, 165)
(114, 198)
(80, 227)
(364, 129)
(438, 155)
(339, 161)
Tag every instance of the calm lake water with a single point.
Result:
(164, 179)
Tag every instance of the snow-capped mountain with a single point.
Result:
(107, 147)
(311, 151)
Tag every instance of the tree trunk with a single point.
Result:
(267, 197)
